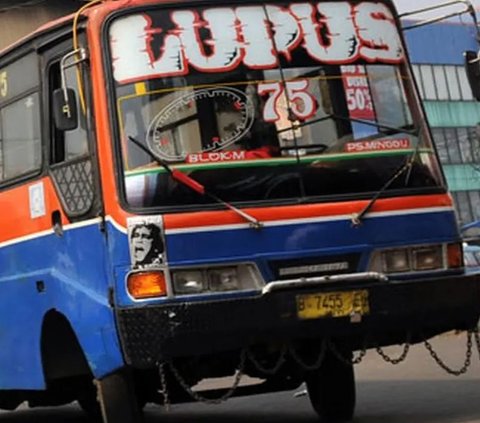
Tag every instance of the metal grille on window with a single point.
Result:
(75, 183)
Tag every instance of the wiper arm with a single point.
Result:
(357, 218)
(194, 185)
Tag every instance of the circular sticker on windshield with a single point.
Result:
(234, 113)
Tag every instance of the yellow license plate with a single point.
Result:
(332, 304)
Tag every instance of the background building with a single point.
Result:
(437, 53)
(20, 17)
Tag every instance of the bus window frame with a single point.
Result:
(10, 58)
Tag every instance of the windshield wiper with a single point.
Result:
(357, 218)
(194, 185)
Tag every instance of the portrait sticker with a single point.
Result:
(145, 237)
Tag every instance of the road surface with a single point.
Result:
(415, 391)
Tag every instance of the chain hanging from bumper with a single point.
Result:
(316, 364)
(476, 335)
(272, 370)
(213, 401)
(468, 355)
(327, 344)
(163, 383)
(347, 361)
(400, 358)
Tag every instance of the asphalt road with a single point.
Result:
(415, 391)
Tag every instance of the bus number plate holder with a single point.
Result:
(332, 304)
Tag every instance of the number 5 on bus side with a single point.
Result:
(3, 84)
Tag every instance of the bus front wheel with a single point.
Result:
(331, 389)
(118, 402)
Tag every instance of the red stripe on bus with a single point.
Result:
(271, 214)
(15, 218)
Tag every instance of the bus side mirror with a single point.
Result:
(472, 67)
(65, 111)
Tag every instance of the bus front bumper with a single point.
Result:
(397, 310)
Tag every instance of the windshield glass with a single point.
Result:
(284, 102)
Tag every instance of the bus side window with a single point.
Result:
(21, 143)
(68, 145)
(20, 133)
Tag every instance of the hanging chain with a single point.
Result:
(400, 358)
(326, 344)
(476, 334)
(269, 371)
(443, 365)
(197, 397)
(164, 390)
(316, 364)
(357, 360)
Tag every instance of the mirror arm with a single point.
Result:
(79, 56)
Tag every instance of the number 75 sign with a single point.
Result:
(303, 105)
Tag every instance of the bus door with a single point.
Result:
(81, 262)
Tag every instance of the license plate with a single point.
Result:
(332, 304)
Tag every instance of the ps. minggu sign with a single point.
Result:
(329, 32)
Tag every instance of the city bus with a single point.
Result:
(206, 189)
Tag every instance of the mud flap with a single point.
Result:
(118, 402)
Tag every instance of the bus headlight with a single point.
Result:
(419, 258)
(189, 282)
(428, 258)
(225, 279)
(396, 261)
(242, 277)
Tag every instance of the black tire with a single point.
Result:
(89, 404)
(112, 400)
(331, 389)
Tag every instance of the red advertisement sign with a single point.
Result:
(357, 92)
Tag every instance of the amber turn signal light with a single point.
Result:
(143, 285)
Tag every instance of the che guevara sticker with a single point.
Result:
(146, 241)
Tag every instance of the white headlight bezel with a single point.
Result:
(379, 261)
(199, 278)
(247, 274)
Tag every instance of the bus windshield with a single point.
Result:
(282, 102)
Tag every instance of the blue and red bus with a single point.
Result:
(201, 189)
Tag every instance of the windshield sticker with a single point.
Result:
(357, 92)
(303, 104)
(145, 235)
(265, 152)
(234, 109)
(378, 145)
(212, 157)
(219, 39)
